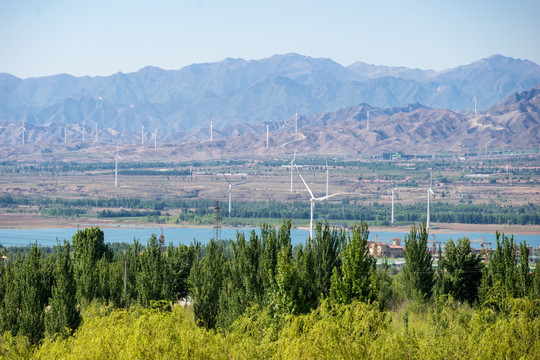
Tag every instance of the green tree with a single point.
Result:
(463, 270)
(63, 313)
(418, 271)
(525, 276)
(88, 248)
(206, 279)
(150, 277)
(285, 294)
(357, 277)
(178, 261)
(11, 300)
(500, 279)
(326, 250)
(33, 285)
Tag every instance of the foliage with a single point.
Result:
(356, 279)
(462, 271)
(63, 315)
(418, 271)
(88, 248)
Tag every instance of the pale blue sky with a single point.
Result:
(96, 37)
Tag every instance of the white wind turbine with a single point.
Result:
(83, 129)
(96, 133)
(291, 166)
(116, 158)
(368, 112)
(429, 193)
(154, 135)
(65, 134)
(23, 130)
(327, 173)
(142, 135)
(475, 100)
(313, 200)
(394, 189)
(230, 192)
(267, 135)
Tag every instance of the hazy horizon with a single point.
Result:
(102, 38)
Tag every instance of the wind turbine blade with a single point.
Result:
(322, 198)
(227, 179)
(307, 187)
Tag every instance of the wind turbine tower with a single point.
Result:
(83, 128)
(267, 135)
(96, 133)
(211, 130)
(393, 193)
(155, 139)
(65, 134)
(116, 158)
(230, 194)
(475, 100)
(291, 166)
(142, 135)
(429, 193)
(327, 177)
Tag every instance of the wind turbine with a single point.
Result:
(267, 135)
(142, 135)
(83, 129)
(429, 193)
(230, 192)
(313, 200)
(155, 138)
(291, 166)
(327, 177)
(65, 134)
(394, 189)
(474, 100)
(211, 130)
(23, 130)
(116, 158)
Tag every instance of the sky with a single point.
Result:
(99, 38)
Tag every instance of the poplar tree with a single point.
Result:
(357, 279)
(150, 277)
(418, 271)
(206, 279)
(63, 316)
(33, 292)
(88, 248)
(463, 270)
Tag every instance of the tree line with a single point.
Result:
(347, 210)
(44, 294)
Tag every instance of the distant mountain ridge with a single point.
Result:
(237, 91)
(513, 123)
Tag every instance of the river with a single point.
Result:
(186, 235)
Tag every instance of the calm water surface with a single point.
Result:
(176, 236)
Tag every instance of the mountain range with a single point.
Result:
(251, 93)
(512, 123)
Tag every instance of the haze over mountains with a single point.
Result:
(429, 110)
